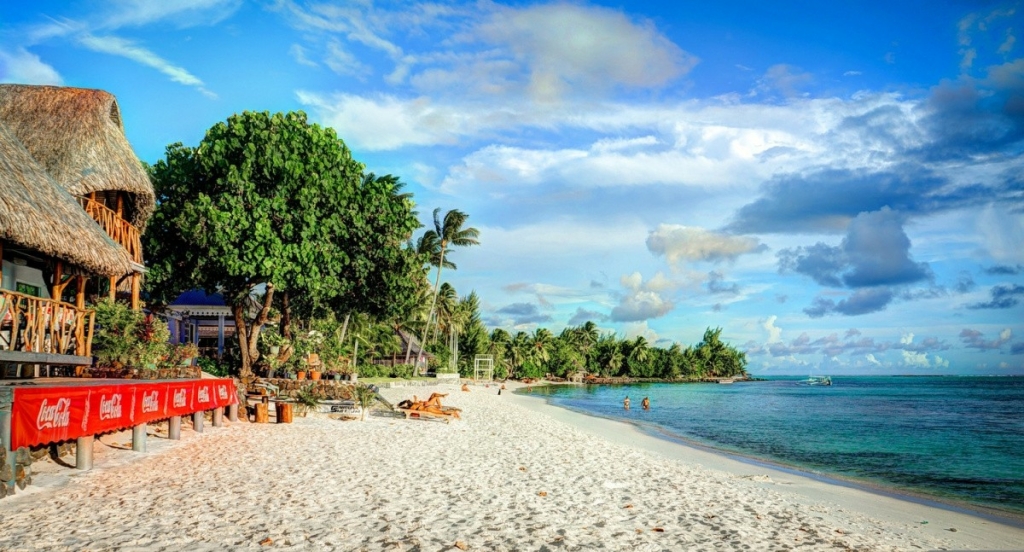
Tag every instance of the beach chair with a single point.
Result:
(444, 416)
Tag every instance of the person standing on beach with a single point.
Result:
(625, 403)
(646, 403)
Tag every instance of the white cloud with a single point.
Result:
(385, 122)
(562, 47)
(687, 244)
(774, 332)
(184, 13)
(1003, 233)
(918, 360)
(907, 338)
(342, 62)
(871, 359)
(24, 67)
(120, 47)
(785, 79)
(633, 330)
(299, 54)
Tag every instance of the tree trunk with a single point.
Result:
(344, 329)
(286, 317)
(433, 304)
(248, 335)
(243, 340)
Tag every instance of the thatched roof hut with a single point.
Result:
(77, 136)
(37, 213)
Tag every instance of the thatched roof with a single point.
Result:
(77, 136)
(37, 213)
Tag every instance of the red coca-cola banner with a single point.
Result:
(49, 414)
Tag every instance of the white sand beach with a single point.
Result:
(513, 474)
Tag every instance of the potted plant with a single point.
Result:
(313, 362)
(127, 339)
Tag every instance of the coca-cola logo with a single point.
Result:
(204, 394)
(179, 398)
(151, 401)
(54, 415)
(110, 408)
(222, 391)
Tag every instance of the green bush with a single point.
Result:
(214, 367)
(404, 371)
(129, 338)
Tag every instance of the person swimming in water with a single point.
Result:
(646, 403)
(625, 403)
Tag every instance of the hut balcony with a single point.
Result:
(36, 330)
(119, 229)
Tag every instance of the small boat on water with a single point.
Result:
(726, 380)
(816, 380)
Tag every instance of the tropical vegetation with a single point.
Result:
(318, 260)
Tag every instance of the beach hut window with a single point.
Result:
(27, 289)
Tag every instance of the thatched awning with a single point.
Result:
(38, 213)
(77, 136)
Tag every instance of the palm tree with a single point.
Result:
(448, 232)
(519, 351)
(540, 346)
(446, 305)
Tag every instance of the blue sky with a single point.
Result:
(837, 184)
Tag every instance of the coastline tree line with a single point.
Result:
(314, 254)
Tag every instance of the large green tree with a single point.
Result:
(268, 202)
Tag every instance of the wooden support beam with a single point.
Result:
(58, 275)
(136, 278)
(1, 263)
(112, 293)
(80, 291)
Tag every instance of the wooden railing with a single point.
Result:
(117, 228)
(36, 325)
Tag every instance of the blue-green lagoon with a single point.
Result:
(956, 439)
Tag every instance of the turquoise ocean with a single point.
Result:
(957, 440)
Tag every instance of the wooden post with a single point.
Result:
(197, 421)
(262, 413)
(80, 291)
(139, 438)
(218, 416)
(284, 412)
(112, 292)
(1, 263)
(56, 288)
(83, 453)
(174, 428)
(233, 412)
(135, 291)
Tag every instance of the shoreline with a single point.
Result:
(987, 530)
(1004, 517)
(514, 473)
